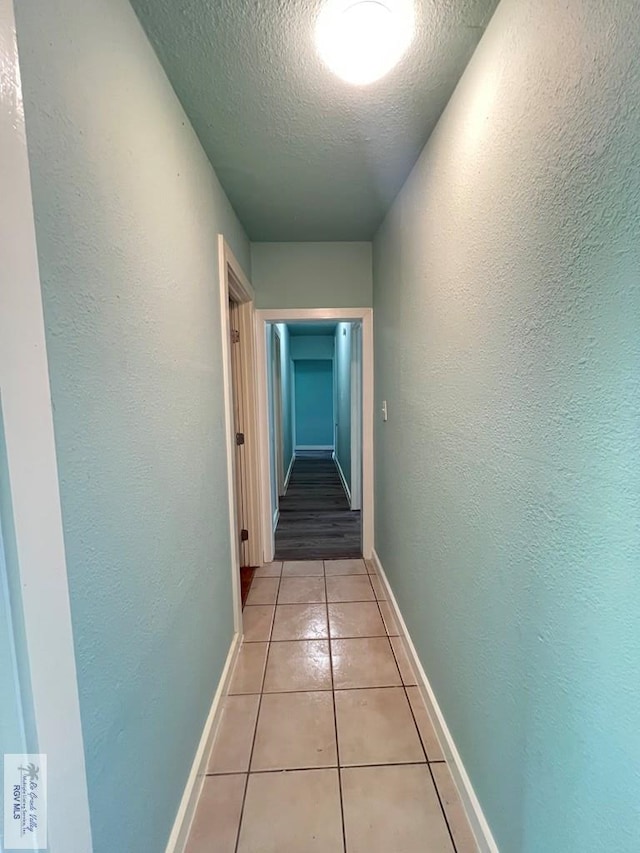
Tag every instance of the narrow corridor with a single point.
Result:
(325, 743)
(315, 520)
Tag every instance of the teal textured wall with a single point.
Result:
(314, 402)
(343, 398)
(507, 301)
(127, 211)
(312, 275)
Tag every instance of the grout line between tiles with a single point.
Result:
(327, 767)
(323, 639)
(335, 720)
(327, 690)
(444, 814)
(415, 722)
(255, 730)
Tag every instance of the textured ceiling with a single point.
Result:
(302, 154)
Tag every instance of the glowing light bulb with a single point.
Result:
(362, 40)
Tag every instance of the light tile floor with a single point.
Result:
(325, 744)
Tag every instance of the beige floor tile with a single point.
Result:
(263, 591)
(389, 619)
(302, 665)
(350, 588)
(269, 570)
(295, 730)
(301, 591)
(458, 823)
(404, 665)
(425, 726)
(371, 568)
(344, 567)
(247, 676)
(303, 568)
(293, 812)
(215, 825)
(376, 727)
(300, 622)
(378, 588)
(393, 808)
(232, 748)
(356, 619)
(364, 663)
(256, 622)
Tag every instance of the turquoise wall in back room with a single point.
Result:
(312, 275)
(314, 403)
(127, 210)
(507, 300)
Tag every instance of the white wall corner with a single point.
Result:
(479, 825)
(33, 475)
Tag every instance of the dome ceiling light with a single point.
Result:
(362, 40)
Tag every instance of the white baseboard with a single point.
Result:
(482, 832)
(343, 478)
(314, 447)
(186, 811)
(290, 469)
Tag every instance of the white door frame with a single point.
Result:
(290, 315)
(276, 344)
(355, 368)
(236, 286)
(32, 477)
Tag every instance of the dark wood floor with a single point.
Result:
(246, 577)
(315, 520)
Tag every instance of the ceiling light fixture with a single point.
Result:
(362, 40)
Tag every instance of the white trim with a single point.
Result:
(314, 447)
(355, 369)
(287, 315)
(186, 811)
(484, 838)
(292, 384)
(238, 287)
(268, 539)
(367, 434)
(33, 475)
(342, 477)
(290, 469)
(276, 518)
(228, 416)
(252, 499)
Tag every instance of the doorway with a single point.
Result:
(347, 444)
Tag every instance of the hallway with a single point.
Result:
(323, 689)
(315, 520)
(222, 251)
